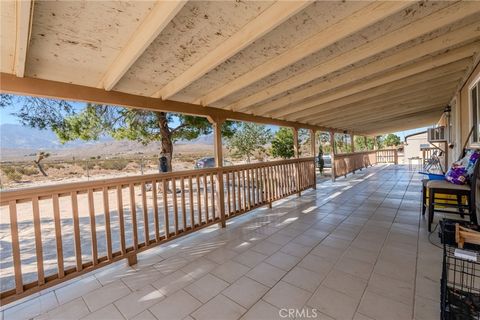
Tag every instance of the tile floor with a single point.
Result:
(354, 249)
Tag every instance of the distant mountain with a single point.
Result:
(21, 143)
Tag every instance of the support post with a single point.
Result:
(352, 141)
(312, 151)
(296, 151)
(217, 145)
(332, 152)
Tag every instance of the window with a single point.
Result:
(475, 107)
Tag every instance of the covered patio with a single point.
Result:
(256, 241)
(355, 248)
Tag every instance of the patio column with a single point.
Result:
(217, 147)
(332, 152)
(312, 151)
(297, 155)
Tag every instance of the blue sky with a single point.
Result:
(6, 117)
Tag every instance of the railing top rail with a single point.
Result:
(64, 188)
(339, 155)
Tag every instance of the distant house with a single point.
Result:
(414, 144)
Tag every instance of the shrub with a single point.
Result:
(11, 173)
(27, 171)
(118, 164)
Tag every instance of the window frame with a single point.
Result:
(475, 85)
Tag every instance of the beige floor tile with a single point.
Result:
(280, 239)
(170, 265)
(398, 271)
(145, 315)
(285, 295)
(355, 267)
(295, 249)
(282, 260)
(106, 313)
(338, 243)
(32, 307)
(77, 289)
(266, 274)
(138, 301)
(230, 271)
(175, 307)
(361, 255)
(219, 308)
(221, 255)
(304, 278)
(199, 267)
(139, 279)
(316, 264)
(103, 296)
(245, 291)
(72, 310)
(427, 287)
(114, 273)
(263, 311)
(426, 309)
(206, 287)
(266, 247)
(250, 258)
(329, 253)
(359, 316)
(378, 307)
(333, 303)
(392, 288)
(345, 283)
(173, 282)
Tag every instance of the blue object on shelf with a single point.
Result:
(433, 176)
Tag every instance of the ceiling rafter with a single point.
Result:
(153, 24)
(443, 42)
(409, 32)
(23, 19)
(268, 20)
(340, 29)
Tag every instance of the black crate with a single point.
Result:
(460, 284)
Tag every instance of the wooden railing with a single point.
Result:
(346, 163)
(54, 233)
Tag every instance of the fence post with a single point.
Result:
(312, 151)
(217, 144)
(297, 155)
(332, 153)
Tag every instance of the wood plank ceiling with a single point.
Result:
(365, 67)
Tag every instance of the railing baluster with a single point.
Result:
(133, 212)
(145, 214)
(76, 231)
(199, 203)
(155, 210)
(229, 196)
(121, 219)
(205, 197)
(175, 205)
(165, 209)
(190, 198)
(234, 192)
(17, 262)
(58, 235)
(93, 228)
(108, 231)
(184, 210)
(38, 240)
(212, 196)
(244, 191)
(249, 197)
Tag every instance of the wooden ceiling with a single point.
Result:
(365, 67)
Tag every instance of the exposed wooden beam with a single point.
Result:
(432, 22)
(60, 90)
(158, 18)
(339, 29)
(268, 20)
(24, 14)
(384, 113)
(461, 35)
(412, 89)
(412, 85)
(401, 73)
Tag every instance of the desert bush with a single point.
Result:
(27, 170)
(53, 166)
(11, 173)
(119, 164)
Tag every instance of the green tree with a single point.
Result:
(71, 121)
(282, 144)
(248, 139)
(391, 140)
(360, 143)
